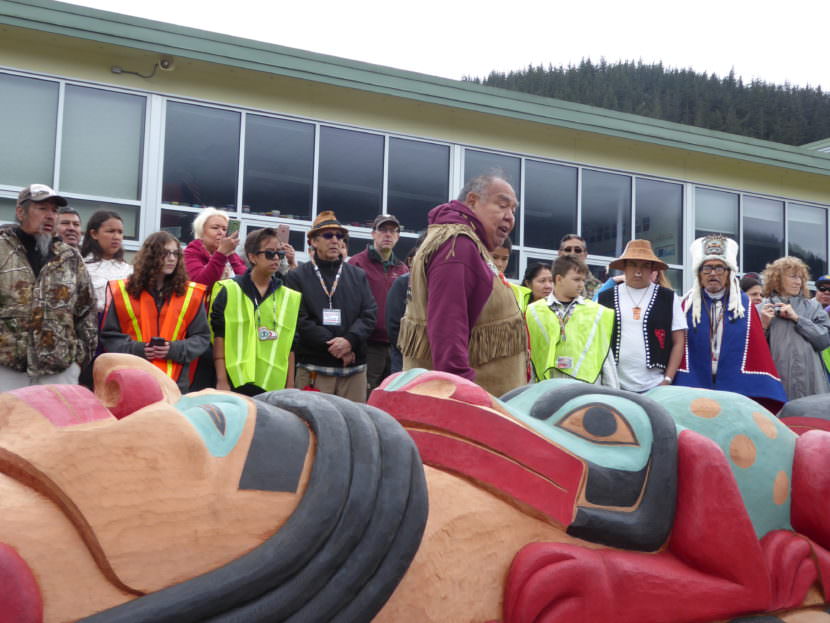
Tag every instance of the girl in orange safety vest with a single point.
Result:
(156, 313)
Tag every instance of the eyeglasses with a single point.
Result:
(718, 270)
(328, 235)
(172, 253)
(269, 254)
(823, 288)
(577, 250)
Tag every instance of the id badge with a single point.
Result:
(265, 334)
(331, 317)
(564, 363)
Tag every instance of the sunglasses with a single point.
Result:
(823, 288)
(576, 250)
(269, 254)
(328, 235)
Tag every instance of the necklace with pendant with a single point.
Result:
(635, 309)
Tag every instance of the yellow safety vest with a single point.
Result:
(248, 359)
(588, 334)
(522, 295)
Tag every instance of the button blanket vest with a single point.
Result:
(498, 340)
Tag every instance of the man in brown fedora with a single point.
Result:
(649, 325)
(337, 315)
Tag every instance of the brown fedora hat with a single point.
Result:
(638, 250)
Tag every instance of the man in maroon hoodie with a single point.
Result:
(463, 317)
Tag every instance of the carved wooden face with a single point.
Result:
(132, 505)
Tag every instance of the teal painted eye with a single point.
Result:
(218, 418)
(599, 423)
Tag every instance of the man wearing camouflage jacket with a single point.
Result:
(47, 306)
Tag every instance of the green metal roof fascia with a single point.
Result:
(104, 26)
(819, 144)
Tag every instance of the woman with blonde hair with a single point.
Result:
(797, 327)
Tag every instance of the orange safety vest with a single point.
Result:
(140, 319)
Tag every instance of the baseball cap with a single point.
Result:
(381, 219)
(39, 192)
(823, 279)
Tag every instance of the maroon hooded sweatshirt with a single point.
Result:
(459, 286)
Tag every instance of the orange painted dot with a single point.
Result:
(705, 407)
(742, 451)
(765, 424)
(781, 488)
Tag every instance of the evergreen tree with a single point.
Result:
(780, 113)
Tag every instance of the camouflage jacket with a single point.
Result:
(48, 322)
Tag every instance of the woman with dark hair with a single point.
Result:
(753, 288)
(539, 278)
(797, 326)
(253, 318)
(103, 252)
(157, 313)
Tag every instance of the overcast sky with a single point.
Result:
(775, 42)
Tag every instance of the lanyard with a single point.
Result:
(323, 283)
(563, 314)
(257, 303)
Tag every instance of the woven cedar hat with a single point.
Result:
(638, 250)
(326, 220)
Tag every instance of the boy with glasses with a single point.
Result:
(726, 347)
(337, 315)
(574, 245)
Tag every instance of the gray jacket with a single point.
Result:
(796, 347)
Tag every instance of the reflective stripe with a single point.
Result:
(539, 323)
(590, 340)
(128, 307)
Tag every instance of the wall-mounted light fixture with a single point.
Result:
(165, 63)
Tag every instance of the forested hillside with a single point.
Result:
(784, 114)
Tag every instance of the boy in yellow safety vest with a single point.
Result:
(570, 336)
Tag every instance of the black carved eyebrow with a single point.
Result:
(217, 417)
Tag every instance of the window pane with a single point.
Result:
(763, 232)
(550, 203)
(512, 271)
(279, 167)
(103, 134)
(606, 212)
(7, 210)
(659, 218)
(807, 234)
(179, 224)
(350, 178)
(419, 180)
(201, 156)
(484, 162)
(716, 212)
(28, 117)
(356, 245)
(129, 214)
(676, 278)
